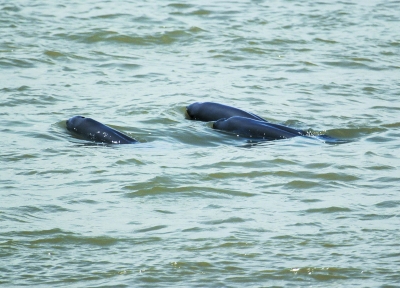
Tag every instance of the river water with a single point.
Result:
(189, 206)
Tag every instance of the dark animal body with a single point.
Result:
(92, 130)
(210, 111)
(242, 123)
(226, 118)
(255, 129)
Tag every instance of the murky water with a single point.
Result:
(190, 206)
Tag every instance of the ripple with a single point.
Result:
(302, 184)
(223, 221)
(388, 204)
(191, 191)
(180, 5)
(6, 63)
(192, 207)
(153, 228)
(373, 217)
(350, 64)
(331, 209)
(112, 37)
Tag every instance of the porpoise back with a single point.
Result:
(210, 111)
(93, 130)
(255, 129)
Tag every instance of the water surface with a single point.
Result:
(189, 206)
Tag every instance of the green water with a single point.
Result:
(189, 206)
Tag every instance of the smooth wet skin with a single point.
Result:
(255, 129)
(225, 118)
(93, 130)
(210, 111)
